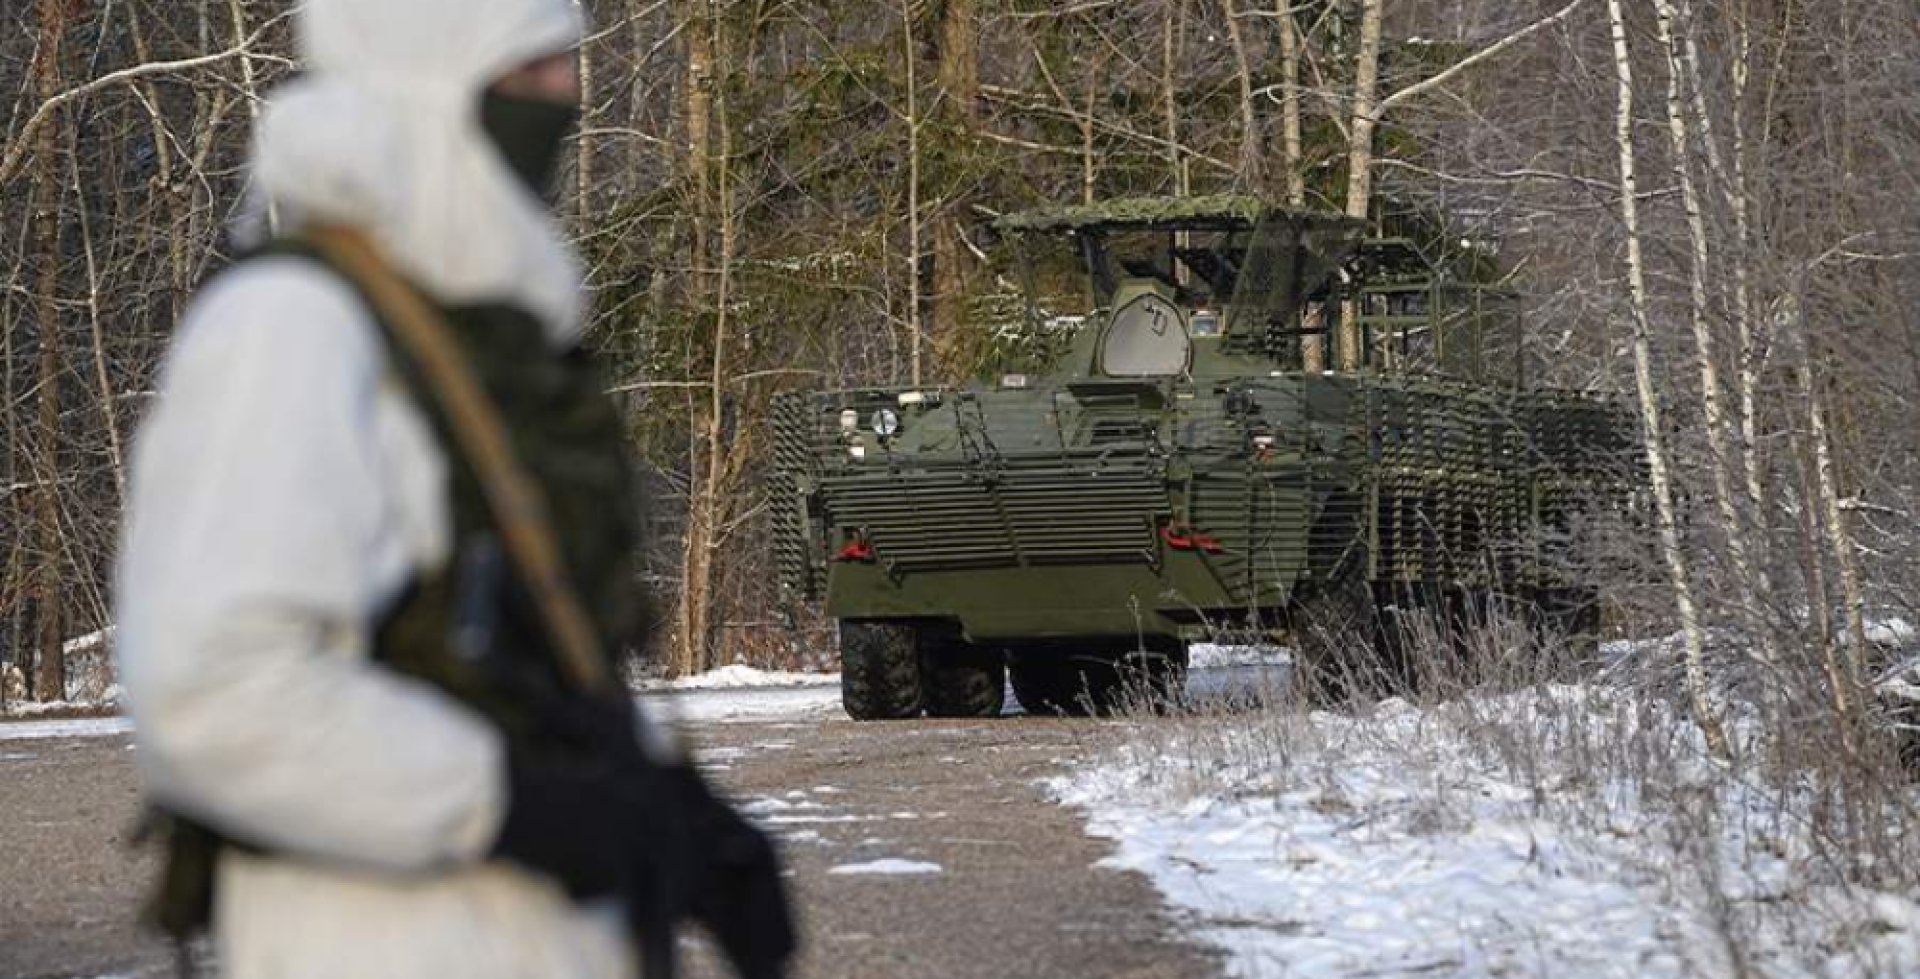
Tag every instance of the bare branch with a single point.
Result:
(16, 154)
(1473, 59)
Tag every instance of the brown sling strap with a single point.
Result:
(515, 500)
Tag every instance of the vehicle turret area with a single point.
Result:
(1263, 283)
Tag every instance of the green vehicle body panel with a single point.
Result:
(1086, 505)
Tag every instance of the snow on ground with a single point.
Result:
(1237, 676)
(91, 727)
(731, 694)
(887, 867)
(746, 703)
(1892, 631)
(29, 710)
(741, 693)
(1396, 844)
(741, 676)
(1206, 656)
(89, 642)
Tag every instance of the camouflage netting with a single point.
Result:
(1225, 212)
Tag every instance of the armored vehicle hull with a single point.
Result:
(1081, 527)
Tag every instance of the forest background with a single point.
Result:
(1710, 207)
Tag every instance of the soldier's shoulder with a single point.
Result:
(284, 307)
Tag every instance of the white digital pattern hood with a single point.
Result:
(384, 134)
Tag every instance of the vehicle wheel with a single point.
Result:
(1568, 619)
(963, 680)
(1411, 622)
(1079, 684)
(1338, 637)
(1156, 673)
(1048, 681)
(880, 671)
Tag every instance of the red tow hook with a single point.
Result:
(856, 549)
(1183, 538)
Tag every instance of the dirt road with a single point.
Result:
(918, 850)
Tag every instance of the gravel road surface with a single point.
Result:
(922, 849)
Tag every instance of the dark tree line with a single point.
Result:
(783, 194)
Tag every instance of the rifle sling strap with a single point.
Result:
(512, 496)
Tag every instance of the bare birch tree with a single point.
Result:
(1653, 430)
(1706, 358)
(1291, 161)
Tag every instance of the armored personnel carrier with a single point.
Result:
(1178, 472)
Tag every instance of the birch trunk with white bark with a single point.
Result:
(1290, 149)
(1651, 426)
(1349, 346)
(915, 333)
(1746, 573)
(1839, 535)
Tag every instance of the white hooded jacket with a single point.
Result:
(284, 492)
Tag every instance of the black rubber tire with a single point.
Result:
(963, 680)
(1568, 618)
(1047, 682)
(1166, 673)
(880, 678)
(1327, 625)
(1350, 645)
(1080, 683)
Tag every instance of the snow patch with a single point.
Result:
(91, 727)
(740, 703)
(889, 866)
(740, 676)
(1395, 844)
(1892, 632)
(786, 820)
(89, 642)
(1213, 656)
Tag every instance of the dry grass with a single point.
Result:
(1816, 806)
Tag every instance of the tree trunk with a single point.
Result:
(1839, 535)
(583, 145)
(103, 385)
(915, 332)
(48, 677)
(959, 79)
(1839, 684)
(1733, 181)
(697, 26)
(1089, 167)
(1290, 150)
(249, 86)
(1313, 348)
(693, 615)
(1350, 345)
(1746, 573)
(1169, 100)
(162, 181)
(13, 647)
(1652, 429)
(1252, 148)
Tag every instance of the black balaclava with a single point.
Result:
(529, 133)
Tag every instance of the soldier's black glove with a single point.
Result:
(738, 894)
(575, 822)
(694, 856)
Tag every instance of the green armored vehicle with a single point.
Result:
(1179, 473)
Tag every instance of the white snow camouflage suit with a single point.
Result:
(285, 491)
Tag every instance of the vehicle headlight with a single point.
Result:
(886, 422)
(849, 420)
